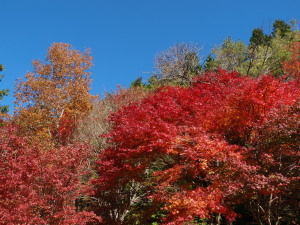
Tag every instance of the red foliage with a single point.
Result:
(200, 147)
(39, 186)
(66, 128)
(292, 66)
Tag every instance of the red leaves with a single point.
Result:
(292, 66)
(40, 186)
(66, 128)
(198, 149)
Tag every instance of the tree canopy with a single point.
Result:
(264, 55)
(55, 94)
(212, 141)
(196, 152)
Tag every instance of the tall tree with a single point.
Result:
(55, 94)
(230, 55)
(178, 64)
(259, 38)
(265, 53)
(281, 27)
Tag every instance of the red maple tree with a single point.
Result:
(39, 186)
(196, 152)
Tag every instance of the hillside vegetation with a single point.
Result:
(210, 140)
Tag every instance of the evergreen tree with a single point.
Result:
(4, 92)
(259, 38)
(281, 27)
(264, 55)
(210, 64)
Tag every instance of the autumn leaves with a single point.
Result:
(217, 149)
(207, 149)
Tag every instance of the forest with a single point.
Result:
(205, 141)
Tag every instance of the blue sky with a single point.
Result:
(125, 35)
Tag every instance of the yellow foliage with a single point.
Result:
(59, 84)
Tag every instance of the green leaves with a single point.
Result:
(4, 92)
(264, 55)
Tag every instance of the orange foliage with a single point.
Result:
(57, 86)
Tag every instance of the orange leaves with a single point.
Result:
(59, 84)
(185, 205)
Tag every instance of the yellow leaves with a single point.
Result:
(59, 83)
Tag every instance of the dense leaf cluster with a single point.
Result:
(203, 150)
(38, 186)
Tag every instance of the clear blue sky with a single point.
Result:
(125, 35)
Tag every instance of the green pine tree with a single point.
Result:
(4, 92)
